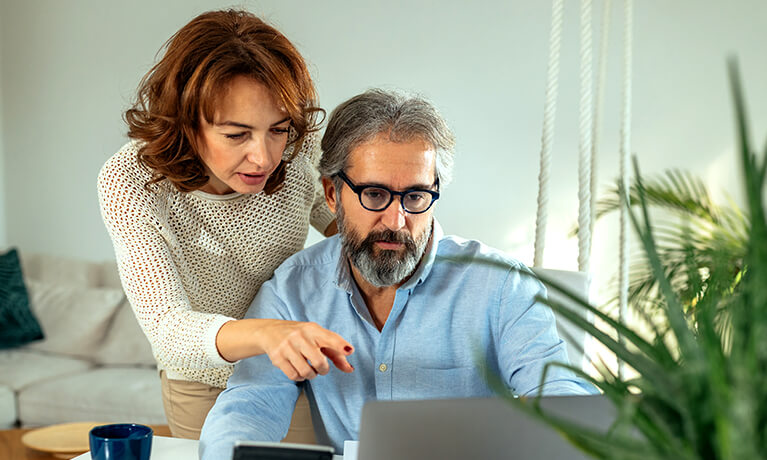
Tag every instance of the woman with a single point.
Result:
(215, 190)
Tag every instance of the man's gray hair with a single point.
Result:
(402, 117)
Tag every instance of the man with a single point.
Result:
(418, 307)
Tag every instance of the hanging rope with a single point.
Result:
(589, 132)
(624, 167)
(598, 106)
(585, 141)
(549, 116)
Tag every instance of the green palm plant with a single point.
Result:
(699, 394)
(700, 244)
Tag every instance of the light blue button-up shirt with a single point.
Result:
(465, 300)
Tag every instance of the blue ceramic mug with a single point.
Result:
(121, 441)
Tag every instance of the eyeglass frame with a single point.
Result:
(358, 189)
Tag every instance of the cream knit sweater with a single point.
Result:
(189, 262)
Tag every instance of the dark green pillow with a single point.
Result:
(17, 323)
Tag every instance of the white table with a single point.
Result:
(164, 448)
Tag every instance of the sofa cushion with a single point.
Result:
(74, 319)
(7, 408)
(60, 270)
(17, 323)
(110, 277)
(125, 343)
(110, 395)
(21, 367)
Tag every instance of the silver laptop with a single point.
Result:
(461, 429)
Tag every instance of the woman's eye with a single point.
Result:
(280, 130)
(235, 136)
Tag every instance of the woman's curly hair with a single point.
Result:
(199, 62)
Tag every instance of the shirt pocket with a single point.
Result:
(456, 382)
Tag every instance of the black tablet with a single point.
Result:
(251, 450)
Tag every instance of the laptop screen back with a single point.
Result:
(460, 429)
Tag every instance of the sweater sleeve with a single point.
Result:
(320, 216)
(180, 337)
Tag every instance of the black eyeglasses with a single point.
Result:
(377, 197)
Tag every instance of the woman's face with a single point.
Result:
(244, 144)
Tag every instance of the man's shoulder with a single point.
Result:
(477, 253)
(321, 257)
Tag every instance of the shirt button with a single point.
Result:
(382, 367)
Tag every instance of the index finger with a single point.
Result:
(339, 360)
(331, 340)
(336, 348)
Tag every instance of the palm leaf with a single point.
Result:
(702, 377)
(677, 190)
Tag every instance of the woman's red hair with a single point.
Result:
(199, 61)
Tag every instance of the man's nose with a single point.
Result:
(394, 216)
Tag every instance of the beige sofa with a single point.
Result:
(93, 365)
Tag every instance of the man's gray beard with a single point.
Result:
(388, 267)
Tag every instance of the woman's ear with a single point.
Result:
(330, 193)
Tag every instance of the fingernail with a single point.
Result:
(348, 349)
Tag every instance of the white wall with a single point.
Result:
(73, 66)
(3, 237)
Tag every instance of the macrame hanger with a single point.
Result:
(586, 121)
(586, 132)
(549, 117)
(625, 150)
(590, 120)
(598, 106)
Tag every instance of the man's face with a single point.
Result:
(384, 246)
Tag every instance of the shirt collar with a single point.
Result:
(345, 281)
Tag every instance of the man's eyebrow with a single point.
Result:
(243, 125)
(410, 187)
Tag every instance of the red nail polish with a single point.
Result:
(348, 349)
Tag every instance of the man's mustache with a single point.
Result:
(390, 236)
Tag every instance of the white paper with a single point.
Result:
(350, 450)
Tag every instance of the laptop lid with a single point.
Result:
(460, 429)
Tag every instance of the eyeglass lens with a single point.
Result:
(375, 198)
